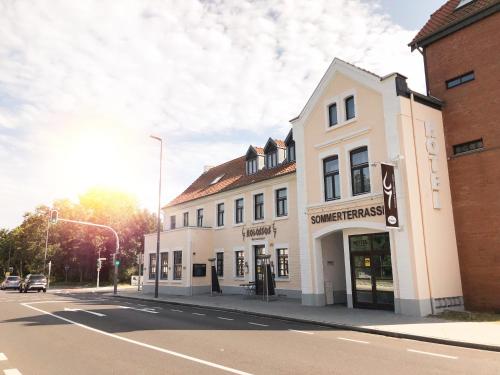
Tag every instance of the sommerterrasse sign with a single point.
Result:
(351, 214)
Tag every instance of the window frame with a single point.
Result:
(332, 174)
(272, 159)
(173, 223)
(330, 124)
(177, 266)
(152, 264)
(258, 205)
(199, 217)
(220, 214)
(236, 209)
(291, 146)
(251, 166)
(286, 263)
(185, 219)
(468, 144)
(219, 261)
(346, 99)
(360, 167)
(461, 80)
(280, 201)
(163, 275)
(239, 264)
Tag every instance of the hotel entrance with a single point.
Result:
(371, 271)
(259, 268)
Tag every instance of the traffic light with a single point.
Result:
(53, 216)
(99, 264)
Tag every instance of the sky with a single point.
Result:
(83, 84)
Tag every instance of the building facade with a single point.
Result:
(317, 203)
(461, 50)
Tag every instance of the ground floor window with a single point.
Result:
(152, 266)
(220, 264)
(282, 261)
(164, 266)
(240, 263)
(177, 265)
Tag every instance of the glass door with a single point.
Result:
(371, 271)
(259, 269)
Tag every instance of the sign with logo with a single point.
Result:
(390, 201)
(260, 231)
(350, 214)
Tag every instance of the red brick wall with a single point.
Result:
(472, 111)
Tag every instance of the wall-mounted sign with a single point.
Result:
(259, 231)
(199, 270)
(390, 201)
(433, 150)
(356, 213)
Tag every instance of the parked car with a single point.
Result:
(11, 282)
(33, 282)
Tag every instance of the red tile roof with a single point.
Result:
(448, 15)
(234, 177)
(280, 143)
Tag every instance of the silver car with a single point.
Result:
(11, 282)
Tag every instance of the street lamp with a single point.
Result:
(157, 273)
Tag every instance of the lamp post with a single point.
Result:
(157, 273)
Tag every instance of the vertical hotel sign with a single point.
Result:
(390, 201)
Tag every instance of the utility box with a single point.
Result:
(329, 292)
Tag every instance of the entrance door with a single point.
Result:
(371, 271)
(259, 269)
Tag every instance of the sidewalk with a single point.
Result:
(479, 335)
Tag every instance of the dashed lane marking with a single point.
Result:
(175, 310)
(433, 354)
(141, 344)
(258, 324)
(352, 340)
(3, 357)
(305, 332)
(221, 317)
(12, 371)
(199, 314)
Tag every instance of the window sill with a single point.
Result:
(260, 221)
(454, 156)
(238, 224)
(280, 218)
(219, 228)
(282, 279)
(340, 125)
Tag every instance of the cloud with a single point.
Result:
(209, 76)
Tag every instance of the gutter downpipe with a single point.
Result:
(420, 200)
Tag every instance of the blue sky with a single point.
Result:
(83, 84)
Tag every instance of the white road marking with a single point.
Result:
(175, 310)
(352, 340)
(12, 371)
(58, 301)
(258, 324)
(200, 314)
(136, 309)
(3, 357)
(433, 354)
(221, 317)
(307, 333)
(140, 304)
(88, 312)
(138, 343)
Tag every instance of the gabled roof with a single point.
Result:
(234, 176)
(274, 143)
(449, 19)
(289, 137)
(254, 151)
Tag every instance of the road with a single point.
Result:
(88, 333)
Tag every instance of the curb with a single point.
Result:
(434, 340)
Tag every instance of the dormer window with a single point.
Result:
(290, 147)
(252, 166)
(272, 159)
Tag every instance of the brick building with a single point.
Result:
(461, 48)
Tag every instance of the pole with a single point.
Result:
(139, 272)
(98, 266)
(157, 273)
(46, 245)
(48, 278)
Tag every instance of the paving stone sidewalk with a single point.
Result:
(480, 335)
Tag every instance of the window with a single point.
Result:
(272, 159)
(468, 147)
(240, 263)
(238, 211)
(220, 264)
(360, 173)
(332, 114)
(172, 222)
(462, 3)
(252, 166)
(331, 178)
(217, 179)
(199, 217)
(164, 266)
(281, 202)
(152, 266)
(460, 80)
(220, 215)
(282, 262)
(349, 108)
(186, 219)
(290, 152)
(177, 265)
(258, 206)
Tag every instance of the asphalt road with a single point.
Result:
(85, 333)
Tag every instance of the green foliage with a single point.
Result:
(78, 246)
